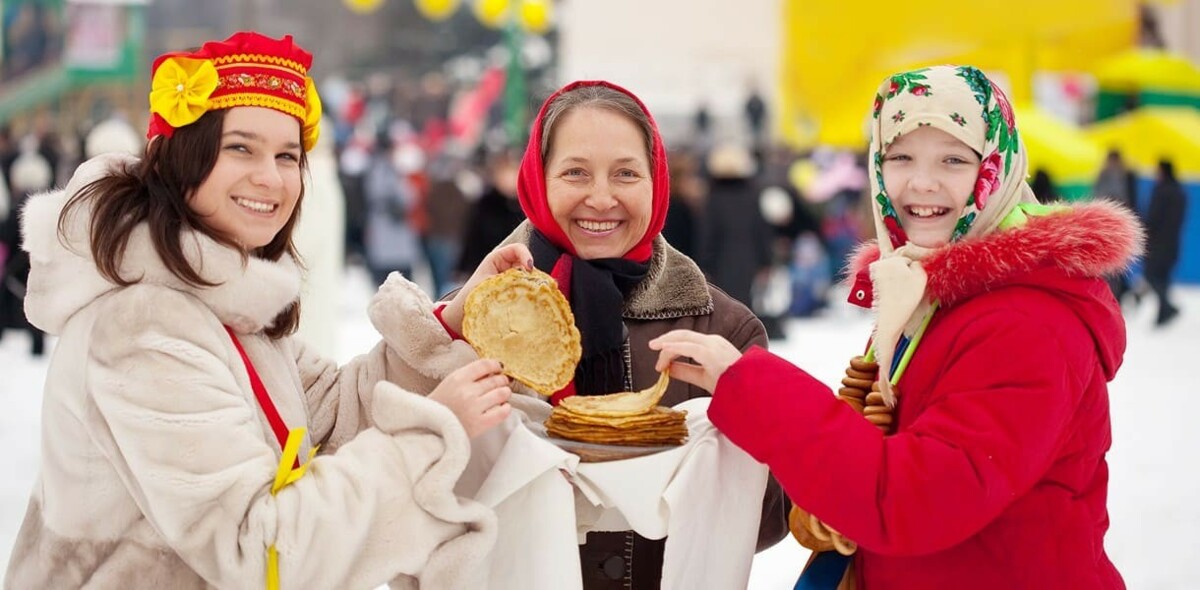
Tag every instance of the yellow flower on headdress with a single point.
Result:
(180, 90)
(312, 116)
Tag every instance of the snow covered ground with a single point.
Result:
(1155, 534)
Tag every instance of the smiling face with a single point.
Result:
(929, 176)
(598, 182)
(254, 186)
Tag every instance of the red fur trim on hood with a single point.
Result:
(1093, 239)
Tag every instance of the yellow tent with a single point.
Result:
(1149, 134)
(836, 53)
(1062, 149)
(1148, 69)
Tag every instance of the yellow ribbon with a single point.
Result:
(180, 90)
(286, 475)
(312, 115)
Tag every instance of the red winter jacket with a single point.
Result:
(995, 476)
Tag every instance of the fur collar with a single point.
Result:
(673, 288)
(1092, 240)
(64, 278)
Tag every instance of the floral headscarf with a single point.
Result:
(963, 102)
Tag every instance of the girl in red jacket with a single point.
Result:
(981, 459)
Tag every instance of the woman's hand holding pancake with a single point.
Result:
(496, 262)
(477, 394)
(711, 355)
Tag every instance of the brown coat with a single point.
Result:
(674, 296)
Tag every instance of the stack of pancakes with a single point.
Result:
(631, 418)
(659, 427)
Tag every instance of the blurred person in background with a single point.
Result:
(1118, 183)
(595, 186)
(956, 471)
(181, 417)
(354, 161)
(112, 135)
(797, 247)
(494, 215)
(446, 211)
(430, 111)
(702, 127)
(1164, 227)
(1043, 187)
(838, 192)
(8, 154)
(755, 111)
(772, 289)
(682, 228)
(47, 142)
(5, 206)
(31, 174)
(390, 242)
(735, 244)
(320, 240)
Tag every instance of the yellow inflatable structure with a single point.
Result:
(1153, 69)
(1150, 134)
(835, 53)
(1063, 150)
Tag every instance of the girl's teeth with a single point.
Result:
(598, 225)
(926, 211)
(256, 206)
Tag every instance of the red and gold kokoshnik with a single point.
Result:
(247, 69)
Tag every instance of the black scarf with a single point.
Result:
(598, 290)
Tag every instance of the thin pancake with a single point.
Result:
(521, 319)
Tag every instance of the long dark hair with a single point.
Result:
(155, 191)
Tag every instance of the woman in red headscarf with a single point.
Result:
(595, 187)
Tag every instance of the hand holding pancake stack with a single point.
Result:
(521, 319)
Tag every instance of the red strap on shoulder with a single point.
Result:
(260, 392)
(562, 274)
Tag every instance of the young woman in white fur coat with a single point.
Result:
(187, 440)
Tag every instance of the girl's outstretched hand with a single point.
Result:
(711, 355)
(477, 394)
(496, 262)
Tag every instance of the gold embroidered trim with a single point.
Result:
(258, 100)
(248, 57)
(235, 82)
(286, 70)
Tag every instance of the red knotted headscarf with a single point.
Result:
(596, 289)
(531, 183)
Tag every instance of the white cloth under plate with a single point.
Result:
(547, 501)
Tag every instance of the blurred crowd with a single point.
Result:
(420, 203)
(419, 176)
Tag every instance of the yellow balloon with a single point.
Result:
(802, 173)
(363, 6)
(492, 13)
(436, 10)
(535, 15)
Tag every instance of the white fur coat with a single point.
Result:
(157, 461)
